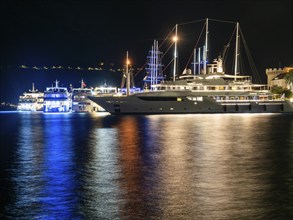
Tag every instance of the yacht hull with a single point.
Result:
(182, 105)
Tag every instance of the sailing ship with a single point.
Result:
(57, 99)
(206, 89)
(31, 100)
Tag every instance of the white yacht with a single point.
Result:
(203, 88)
(31, 100)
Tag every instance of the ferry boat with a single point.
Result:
(57, 99)
(80, 102)
(32, 100)
(208, 89)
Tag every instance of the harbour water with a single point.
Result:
(98, 166)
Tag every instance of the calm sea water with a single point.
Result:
(94, 166)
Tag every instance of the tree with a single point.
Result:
(277, 89)
(289, 78)
(288, 93)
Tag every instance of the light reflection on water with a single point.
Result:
(90, 166)
(100, 174)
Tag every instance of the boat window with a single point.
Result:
(193, 98)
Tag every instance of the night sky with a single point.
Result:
(85, 33)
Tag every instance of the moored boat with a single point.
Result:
(80, 102)
(31, 100)
(57, 99)
(206, 89)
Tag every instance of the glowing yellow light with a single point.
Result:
(175, 38)
(127, 62)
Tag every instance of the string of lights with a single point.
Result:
(100, 68)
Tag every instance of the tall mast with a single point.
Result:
(33, 87)
(175, 52)
(236, 50)
(127, 76)
(205, 55)
(204, 58)
(154, 65)
(156, 61)
(194, 61)
(199, 61)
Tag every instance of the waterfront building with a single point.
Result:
(276, 77)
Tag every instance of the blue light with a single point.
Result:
(57, 195)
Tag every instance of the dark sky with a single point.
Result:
(84, 32)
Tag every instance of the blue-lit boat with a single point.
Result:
(57, 99)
